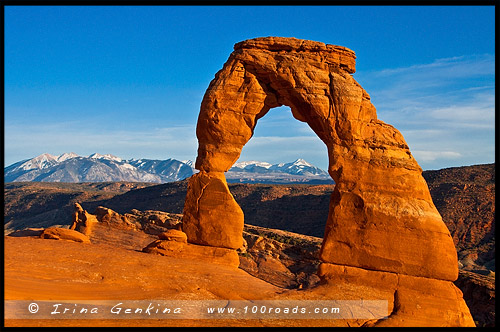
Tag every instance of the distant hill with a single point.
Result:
(465, 198)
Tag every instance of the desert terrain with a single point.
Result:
(273, 262)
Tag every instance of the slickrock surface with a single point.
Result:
(37, 269)
(284, 259)
(111, 267)
(381, 214)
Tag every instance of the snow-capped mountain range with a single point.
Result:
(299, 171)
(70, 167)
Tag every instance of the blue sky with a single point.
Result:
(129, 80)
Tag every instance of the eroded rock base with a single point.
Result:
(413, 301)
(211, 215)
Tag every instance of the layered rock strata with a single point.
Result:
(381, 217)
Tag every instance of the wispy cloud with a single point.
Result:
(455, 67)
(428, 156)
(444, 109)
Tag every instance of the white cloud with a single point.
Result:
(455, 67)
(427, 156)
(444, 109)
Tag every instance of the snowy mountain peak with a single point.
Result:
(104, 156)
(44, 156)
(298, 171)
(190, 163)
(66, 156)
(70, 167)
(302, 162)
(40, 162)
(243, 164)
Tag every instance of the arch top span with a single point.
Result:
(381, 213)
(345, 57)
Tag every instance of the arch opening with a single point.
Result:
(285, 146)
(280, 138)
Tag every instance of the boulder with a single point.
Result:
(56, 233)
(173, 235)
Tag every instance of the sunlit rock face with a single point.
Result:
(381, 217)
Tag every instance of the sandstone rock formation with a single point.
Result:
(173, 235)
(153, 222)
(109, 216)
(57, 233)
(381, 217)
(211, 215)
(82, 221)
(173, 243)
(413, 301)
(27, 232)
(187, 251)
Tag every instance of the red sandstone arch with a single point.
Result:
(381, 213)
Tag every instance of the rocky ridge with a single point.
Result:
(465, 197)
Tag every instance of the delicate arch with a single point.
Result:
(381, 213)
